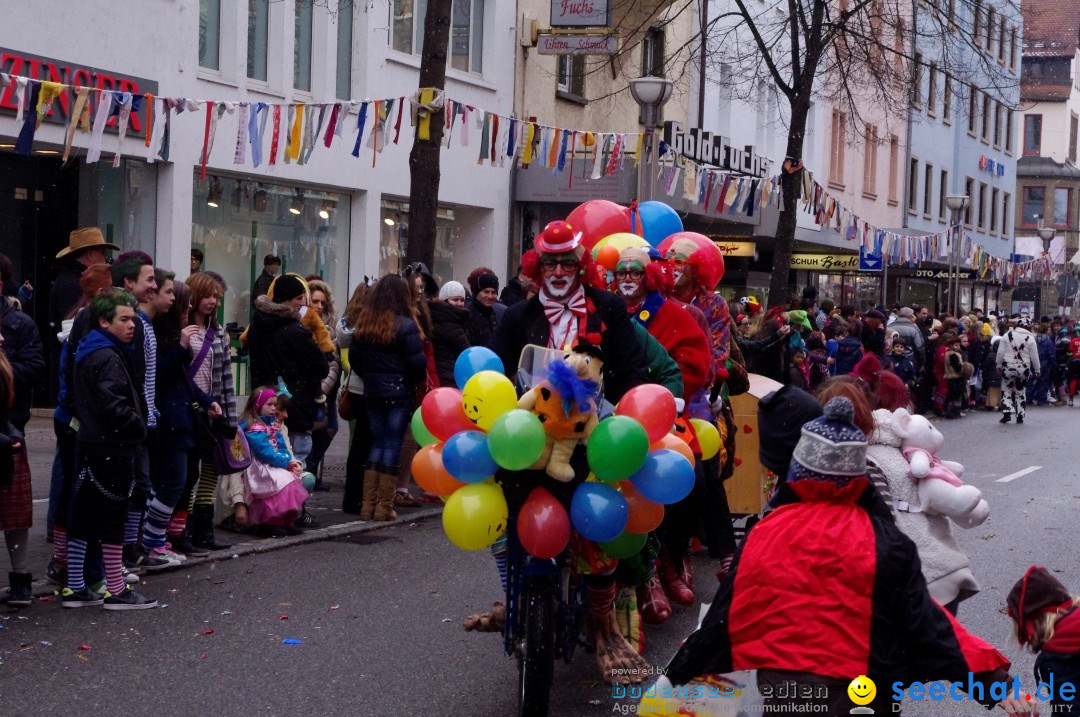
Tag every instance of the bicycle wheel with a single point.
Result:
(536, 657)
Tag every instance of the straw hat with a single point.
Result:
(86, 238)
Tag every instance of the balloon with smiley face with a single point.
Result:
(475, 516)
(486, 396)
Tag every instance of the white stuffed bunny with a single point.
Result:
(940, 484)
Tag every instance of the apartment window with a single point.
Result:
(1032, 134)
(943, 191)
(894, 162)
(408, 25)
(969, 190)
(571, 75)
(836, 156)
(931, 90)
(916, 80)
(302, 46)
(976, 22)
(913, 186)
(973, 109)
(1034, 205)
(991, 22)
(870, 161)
(1008, 131)
(997, 124)
(951, 14)
(980, 210)
(1006, 213)
(1072, 135)
(993, 211)
(928, 190)
(652, 53)
(258, 37)
(1003, 39)
(1012, 48)
(209, 34)
(467, 36)
(946, 101)
(986, 117)
(344, 51)
(1062, 207)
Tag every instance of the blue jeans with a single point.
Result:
(301, 445)
(170, 474)
(389, 418)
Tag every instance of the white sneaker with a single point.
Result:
(175, 555)
(169, 558)
(130, 578)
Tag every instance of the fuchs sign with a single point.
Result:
(578, 45)
(714, 150)
(47, 69)
(580, 13)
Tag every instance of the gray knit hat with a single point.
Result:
(832, 449)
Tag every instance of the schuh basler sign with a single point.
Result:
(580, 13)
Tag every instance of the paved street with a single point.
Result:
(379, 614)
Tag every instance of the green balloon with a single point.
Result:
(617, 448)
(420, 432)
(516, 440)
(626, 545)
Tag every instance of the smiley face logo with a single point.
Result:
(862, 690)
(474, 407)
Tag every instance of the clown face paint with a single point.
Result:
(678, 256)
(630, 280)
(561, 276)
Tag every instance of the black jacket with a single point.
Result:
(261, 287)
(391, 370)
(65, 291)
(9, 434)
(512, 293)
(625, 365)
(177, 396)
(280, 346)
(448, 338)
(112, 417)
(765, 356)
(80, 327)
(22, 346)
(481, 323)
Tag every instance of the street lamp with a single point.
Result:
(956, 204)
(1047, 235)
(650, 93)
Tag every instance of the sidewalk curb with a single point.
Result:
(45, 587)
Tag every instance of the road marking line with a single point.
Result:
(1018, 474)
(41, 500)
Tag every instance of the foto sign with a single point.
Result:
(825, 262)
(577, 45)
(580, 13)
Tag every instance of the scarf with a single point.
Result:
(561, 316)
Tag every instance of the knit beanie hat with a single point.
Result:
(287, 287)
(781, 416)
(451, 289)
(1035, 593)
(487, 281)
(832, 449)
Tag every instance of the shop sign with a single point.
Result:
(735, 248)
(993, 166)
(968, 274)
(714, 150)
(825, 262)
(580, 13)
(577, 45)
(52, 70)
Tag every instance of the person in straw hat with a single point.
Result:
(86, 247)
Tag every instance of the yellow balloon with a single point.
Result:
(475, 516)
(708, 437)
(486, 396)
(621, 241)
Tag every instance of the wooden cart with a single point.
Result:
(747, 489)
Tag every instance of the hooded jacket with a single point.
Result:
(25, 353)
(281, 347)
(112, 416)
(391, 370)
(913, 338)
(1017, 352)
(826, 584)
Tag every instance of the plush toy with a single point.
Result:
(941, 486)
(566, 407)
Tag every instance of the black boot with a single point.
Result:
(182, 544)
(202, 529)
(1005, 417)
(19, 593)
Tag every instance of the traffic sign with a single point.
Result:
(869, 262)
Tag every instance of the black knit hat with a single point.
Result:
(487, 281)
(781, 416)
(287, 287)
(1035, 593)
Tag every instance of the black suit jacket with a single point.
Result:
(624, 366)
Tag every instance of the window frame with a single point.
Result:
(345, 19)
(931, 89)
(973, 111)
(943, 191)
(998, 112)
(894, 162)
(916, 81)
(1009, 114)
(980, 212)
(976, 23)
(838, 141)
(573, 88)
(216, 68)
(475, 56)
(303, 13)
(870, 152)
(947, 100)
(984, 135)
(253, 31)
(1024, 189)
(928, 190)
(913, 186)
(969, 190)
(1068, 208)
(1037, 151)
(993, 211)
(1074, 129)
(1006, 214)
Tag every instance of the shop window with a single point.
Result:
(307, 228)
(394, 240)
(1034, 205)
(258, 38)
(210, 34)
(1062, 206)
(123, 203)
(344, 49)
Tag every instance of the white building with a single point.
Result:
(337, 215)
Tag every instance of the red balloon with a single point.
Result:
(430, 474)
(652, 406)
(597, 219)
(672, 442)
(543, 526)
(607, 257)
(645, 515)
(443, 413)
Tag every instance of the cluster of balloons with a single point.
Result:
(608, 228)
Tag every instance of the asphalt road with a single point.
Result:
(379, 615)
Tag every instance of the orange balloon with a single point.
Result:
(429, 472)
(607, 257)
(645, 515)
(673, 443)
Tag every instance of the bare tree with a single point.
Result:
(867, 57)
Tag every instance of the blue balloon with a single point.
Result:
(666, 478)
(466, 457)
(598, 512)
(473, 360)
(658, 222)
